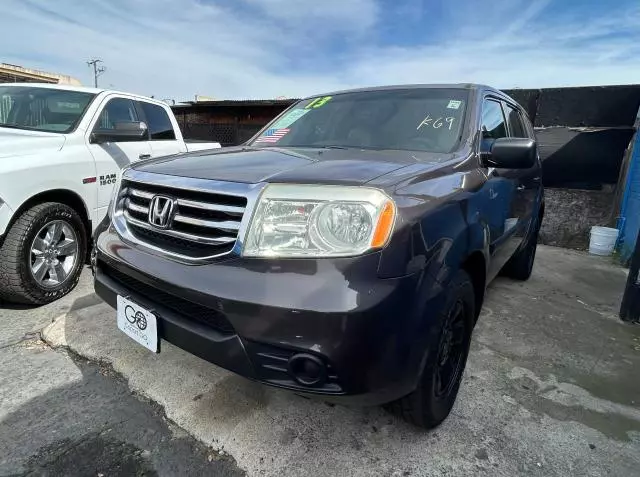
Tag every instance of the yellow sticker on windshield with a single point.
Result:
(318, 102)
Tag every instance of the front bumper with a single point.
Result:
(5, 217)
(251, 316)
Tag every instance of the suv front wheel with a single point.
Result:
(42, 255)
(448, 348)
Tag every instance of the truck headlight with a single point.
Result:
(319, 221)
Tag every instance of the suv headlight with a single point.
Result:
(319, 221)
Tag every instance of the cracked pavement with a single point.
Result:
(61, 414)
(550, 389)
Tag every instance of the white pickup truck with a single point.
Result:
(61, 150)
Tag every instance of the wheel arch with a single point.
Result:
(62, 196)
(476, 267)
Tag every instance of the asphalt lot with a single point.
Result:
(62, 415)
(551, 388)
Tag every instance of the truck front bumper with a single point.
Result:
(5, 217)
(319, 327)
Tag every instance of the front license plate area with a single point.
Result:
(138, 323)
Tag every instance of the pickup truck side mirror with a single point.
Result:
(124, 131)
(511, 153)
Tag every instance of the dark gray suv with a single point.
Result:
(343, 252)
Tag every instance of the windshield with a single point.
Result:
(424, 119)
(42, 109)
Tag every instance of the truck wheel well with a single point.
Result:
(475, 266)
(62, 196)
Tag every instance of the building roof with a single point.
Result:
(18, 74)
(238, 102)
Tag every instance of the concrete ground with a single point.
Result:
(62, 415)
(551, 388)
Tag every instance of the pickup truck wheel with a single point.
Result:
(42, 255)
(449, 343)
(520, 266)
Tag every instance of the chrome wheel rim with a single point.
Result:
(54, 253)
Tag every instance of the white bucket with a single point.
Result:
(603, 240)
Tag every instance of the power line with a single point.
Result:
(97, 70)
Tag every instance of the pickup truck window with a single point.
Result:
(426, 119)
(42, 109)
(116, 110)
(158, 122)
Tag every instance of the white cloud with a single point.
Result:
(346, 15)
(175, 49)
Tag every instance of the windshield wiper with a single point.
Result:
(329, 146)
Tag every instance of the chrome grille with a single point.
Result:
(204, 224)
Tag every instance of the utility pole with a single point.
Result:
(97, 70)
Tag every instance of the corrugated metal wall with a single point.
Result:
(630, 209)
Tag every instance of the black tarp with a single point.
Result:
(589, 106)
(582, 159)
(582, 132)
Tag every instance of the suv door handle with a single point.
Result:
(144, 156)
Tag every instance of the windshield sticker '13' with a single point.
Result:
(318, 102)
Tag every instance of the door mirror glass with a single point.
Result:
(512, 153)
(124, 131)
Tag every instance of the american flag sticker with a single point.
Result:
(272, 135)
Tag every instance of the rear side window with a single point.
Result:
(117, 110)
(160, 127)
(516, 124)
(493, 123)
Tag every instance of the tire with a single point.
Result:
(520, 266)
(431, 402)
(22, 260)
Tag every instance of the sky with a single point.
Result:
(240, 49)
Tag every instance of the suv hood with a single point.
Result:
(297, 165)
(14, 142)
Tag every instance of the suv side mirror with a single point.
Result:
(125, 131)
(511, 153)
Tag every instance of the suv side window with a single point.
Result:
(516, 126)
(158, 122)
(493, 125)
(117, 110)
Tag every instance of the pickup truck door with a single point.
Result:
(504, 210)
(111, 157)
(164, 134)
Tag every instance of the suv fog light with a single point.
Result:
(307, 370)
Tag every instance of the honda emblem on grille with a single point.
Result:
(161, 211)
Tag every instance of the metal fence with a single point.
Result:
(228, 134)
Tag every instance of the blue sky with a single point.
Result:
(269, 48)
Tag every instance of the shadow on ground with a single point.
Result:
(95, 426)
(549, 390)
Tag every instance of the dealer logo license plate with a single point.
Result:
(138, 323)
